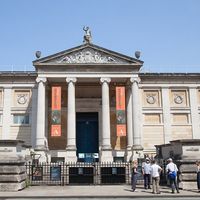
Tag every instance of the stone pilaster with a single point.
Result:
(166, 115)
(6, 113)
(34, 117)
(71, 121)
(194, 113)
(106, 151)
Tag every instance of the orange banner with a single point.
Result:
(56, 111)
(120, 98)
(55, 130)
(120, 111)
(56, 98)
(121, 130)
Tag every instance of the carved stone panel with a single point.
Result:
(178, 98)
(151, 98)
(181, 132)
(88, 55)
(152, 118)
(180, 118)
(21, 98)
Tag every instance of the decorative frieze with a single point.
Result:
(88, 55)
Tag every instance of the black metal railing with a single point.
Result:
(78, 173)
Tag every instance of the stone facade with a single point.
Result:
(160, 107)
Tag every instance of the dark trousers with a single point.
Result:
(173, 184)
(133, 181)
(198, 180)
(147, 180)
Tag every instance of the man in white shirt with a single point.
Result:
(172, 168)
(155, 173)
(146, 171)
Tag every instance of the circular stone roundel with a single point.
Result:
(178, 99)
(151, 99)
(22, 99)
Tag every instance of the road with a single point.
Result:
(135, 198)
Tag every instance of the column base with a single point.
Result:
(41, 154)
(134, 152)
(137, 147)
(129, 154)
(71, 154)
(106, 155)
(137, 154)
(40, 148)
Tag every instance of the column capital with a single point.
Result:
(71, 79)
(102, 80)
(165, 87)
(41, 79)
(135, 80)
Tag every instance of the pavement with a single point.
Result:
(94, 191)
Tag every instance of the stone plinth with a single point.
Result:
(184, 153)
(106, 155)
(12, 173)
(12, 165)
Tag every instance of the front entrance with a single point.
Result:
(87, 137)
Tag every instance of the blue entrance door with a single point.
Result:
(87, 137)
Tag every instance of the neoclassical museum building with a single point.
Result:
(90, 103)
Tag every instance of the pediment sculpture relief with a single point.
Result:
(88, 56)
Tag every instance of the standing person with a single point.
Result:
(134, 174)
(155, 173)
(171, 170)
(198, 175)
(146, 171)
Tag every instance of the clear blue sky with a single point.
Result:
(167, 32)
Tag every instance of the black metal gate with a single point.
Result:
(77, 173)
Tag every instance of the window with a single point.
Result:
(21, 119)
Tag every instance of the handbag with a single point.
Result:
(172, 175)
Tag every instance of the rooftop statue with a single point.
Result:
(88, 36)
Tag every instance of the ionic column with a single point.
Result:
(136, 114)
(129, 153)
(71, 115)
(40, 130)
(129, 119)
(105, 113)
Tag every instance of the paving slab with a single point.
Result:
(109, 191)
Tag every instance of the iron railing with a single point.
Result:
(78, 173)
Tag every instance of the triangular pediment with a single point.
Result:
(87, 54)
